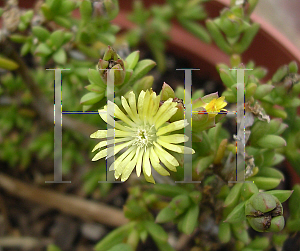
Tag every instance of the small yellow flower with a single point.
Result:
(215, 106)
(144, 136)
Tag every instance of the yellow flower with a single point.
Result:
(215, 106)
(144, 135)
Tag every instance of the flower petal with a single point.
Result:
(120, 115)
(174, 138)
(146, 107)
(140, 153)
(163, 109)
(129, 111)
(155, 163)
(146, 162)
(121, 157)
(167, 156)
(119, 133)
(115, 124)
(140, 103)
(177, 125)
(132, 103)
(120, 168)
(128, 169)
(165, 117)
(176, 148)
(100, 134)
(155, 105)
(100, 155)
(148, 178)
(165, 162)
(117, 148)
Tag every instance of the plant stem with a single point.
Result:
(71, 205)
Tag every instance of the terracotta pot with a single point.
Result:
(270, 48)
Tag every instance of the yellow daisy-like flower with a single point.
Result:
(215, 105)
(144, 136)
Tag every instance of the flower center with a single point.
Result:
(144, 136)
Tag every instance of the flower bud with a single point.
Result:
(111, 61)
(119, 74)
(264, 213)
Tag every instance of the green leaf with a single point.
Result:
(141, 69)
(281, 195)
(63, 21)
(95, 78)
(166, 215)
(132, 59)
(247, 38)
(168, 190)
(54, 5)
(224, 233)
(86, 10)
(167, 92)
(260, 243)
(294, 202)
(17, 38)
(248, 189)
(41, 33)
(271, 172)
(237, 214)
(121, 247)
(293, 67)
(271, 142)
(66, 7)
(196, 29)
(43, 50)
(226, 78)
(156, 231)
(25, 48)
(8, 64)
(280, 74)
(106, 38)
(190, 219)
(114, 237)
(263, 90)
(91, 98)
(293, 225)
(265, 183)
(53, 247)
(218, 37)
(60, 56)
(57, 38)
(95, 88)
(46, 11)
(233, 196)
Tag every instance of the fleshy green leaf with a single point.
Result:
(60, 56)
(141, 69)
(132, 59)
(237, 214)
(91, 98)
(41, 33)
